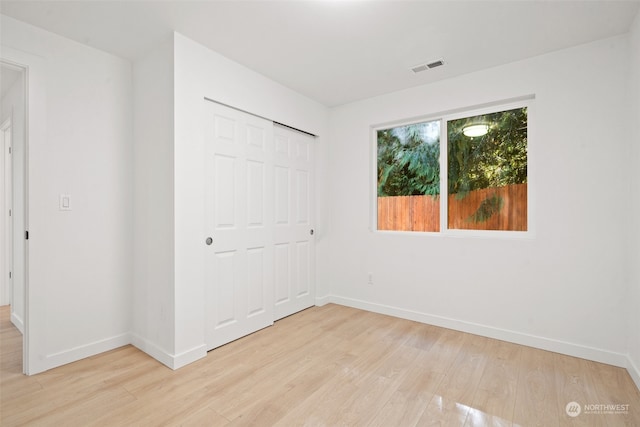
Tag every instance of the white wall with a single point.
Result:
(634, 235)
(153, 294)
(200, 73)
(170, 84)
(80, 274)
(13, 105)
(565, 288)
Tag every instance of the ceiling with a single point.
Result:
(339, 51)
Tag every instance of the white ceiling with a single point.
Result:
(339, 51)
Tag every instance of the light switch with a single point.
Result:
(65, 202)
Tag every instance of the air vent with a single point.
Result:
(424, 67)
(419, 68)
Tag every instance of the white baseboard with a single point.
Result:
(72, 355)
(562, 347)
(152, 350)
(189, 356)
(17, 322)
(634, 372)
(320, 301)
(173, 361)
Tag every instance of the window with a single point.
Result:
(479, 161)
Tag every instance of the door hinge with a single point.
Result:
(9, 212)
(26, 234)
(9, 150)
(9, 275)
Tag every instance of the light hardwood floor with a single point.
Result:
(328, 365)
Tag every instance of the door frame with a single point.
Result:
(8, 62)
(34, 358)
(7, 206)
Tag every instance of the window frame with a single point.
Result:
(444, 118)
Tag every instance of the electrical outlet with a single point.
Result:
(65, 202)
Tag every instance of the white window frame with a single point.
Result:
(444, 118)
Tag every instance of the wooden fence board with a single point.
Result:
(422, 213)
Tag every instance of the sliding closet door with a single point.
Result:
(294, 213)
(239, 245)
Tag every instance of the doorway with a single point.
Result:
(12, 192)
(6, 223)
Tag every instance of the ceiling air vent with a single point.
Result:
(419, 68)
(424, 67)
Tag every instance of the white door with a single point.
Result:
(294, 213)
(239, 216)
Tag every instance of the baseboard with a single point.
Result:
(152, 350)
(67, 356)
(17, 322)
(189, 356)
(562, 347)
(320, 301)
(634, 372)
(173, 361)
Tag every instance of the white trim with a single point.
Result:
(562, 347)
(633, 370)
(429, 117)
(6, 204)
(152, 350)
(444, 179)
(189, 356)
(373, 179)
(172, 361)
(81, 352)
(34, 317)
(324, 300)
(17, 322)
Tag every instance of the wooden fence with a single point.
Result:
(422, 213)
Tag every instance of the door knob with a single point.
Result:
(209, 241)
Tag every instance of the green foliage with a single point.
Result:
(489, 206)
(496, 159)
(408, 162)
(409, 158)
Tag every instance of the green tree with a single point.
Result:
(495, 159)
(409, 164)
(408, 160)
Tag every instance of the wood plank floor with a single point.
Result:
(325, 366)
